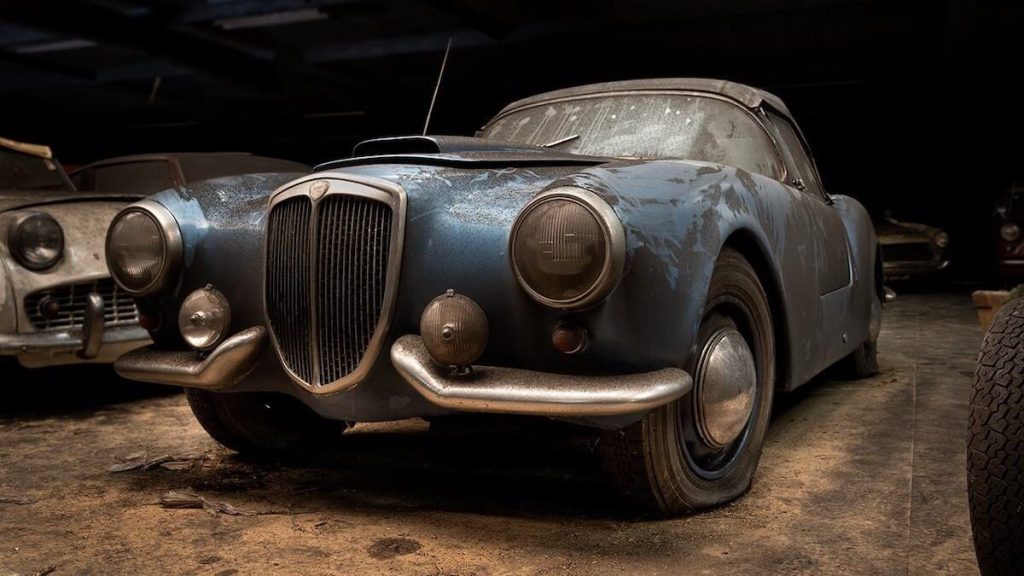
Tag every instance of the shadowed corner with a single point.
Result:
(67, 391)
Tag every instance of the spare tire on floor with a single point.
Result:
(995, 448)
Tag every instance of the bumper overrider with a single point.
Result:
(86, 342)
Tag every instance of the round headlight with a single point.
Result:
(568, 248)
(143, 247)
(36, 241)
(941, 240)
(1010, 232)
(204, 318)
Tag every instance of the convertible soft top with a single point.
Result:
(747, 95)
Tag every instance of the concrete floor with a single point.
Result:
(856, 478)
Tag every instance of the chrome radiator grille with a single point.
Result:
(118, 307)
(288, 284)
(326, 282)
(352, 257)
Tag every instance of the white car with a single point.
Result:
(58, 304)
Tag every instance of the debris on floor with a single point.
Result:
(19, 500)
(140, 461)
(180, 500)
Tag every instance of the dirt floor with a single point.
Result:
(856, 478)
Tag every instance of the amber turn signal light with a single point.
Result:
(569, 338)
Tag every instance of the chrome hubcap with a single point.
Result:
(725, 387)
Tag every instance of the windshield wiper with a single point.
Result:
(554, 143)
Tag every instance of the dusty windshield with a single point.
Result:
(645, 126)
(27, 172)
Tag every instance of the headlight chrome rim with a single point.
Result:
(173, 246)
(614, 240)
(17, 248)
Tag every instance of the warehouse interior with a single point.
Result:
(911, 107)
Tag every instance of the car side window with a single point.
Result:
(800, 160)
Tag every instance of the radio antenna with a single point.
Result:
(437, 86)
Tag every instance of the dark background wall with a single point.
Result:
(913, 106)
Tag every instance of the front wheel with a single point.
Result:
(702, 450)
(261, 423)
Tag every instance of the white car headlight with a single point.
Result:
(36, 241)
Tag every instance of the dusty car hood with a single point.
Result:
(15, 199)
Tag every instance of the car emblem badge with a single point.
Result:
(318, 189)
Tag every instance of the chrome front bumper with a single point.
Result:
(485, 389)
(517, 391)
(86, 343)
(222, 368)
(58, 341)
(912, 267)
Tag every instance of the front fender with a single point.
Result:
(678, 215)
(222, 226)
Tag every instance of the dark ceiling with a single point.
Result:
(907, 104)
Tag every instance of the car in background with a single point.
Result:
(145, 174)
(911, 249)
(654, 258)
(58, 304)
(1009, 244)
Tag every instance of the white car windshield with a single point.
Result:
(27, 172)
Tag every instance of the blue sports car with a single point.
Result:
(655, 258)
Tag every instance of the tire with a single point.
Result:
(862, 362)
(662, 463)
(261, 423)
(995, 446)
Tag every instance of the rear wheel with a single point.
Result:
(862, 362)
(261, 423)
(702, 450)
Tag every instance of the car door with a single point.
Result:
(831, 241)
